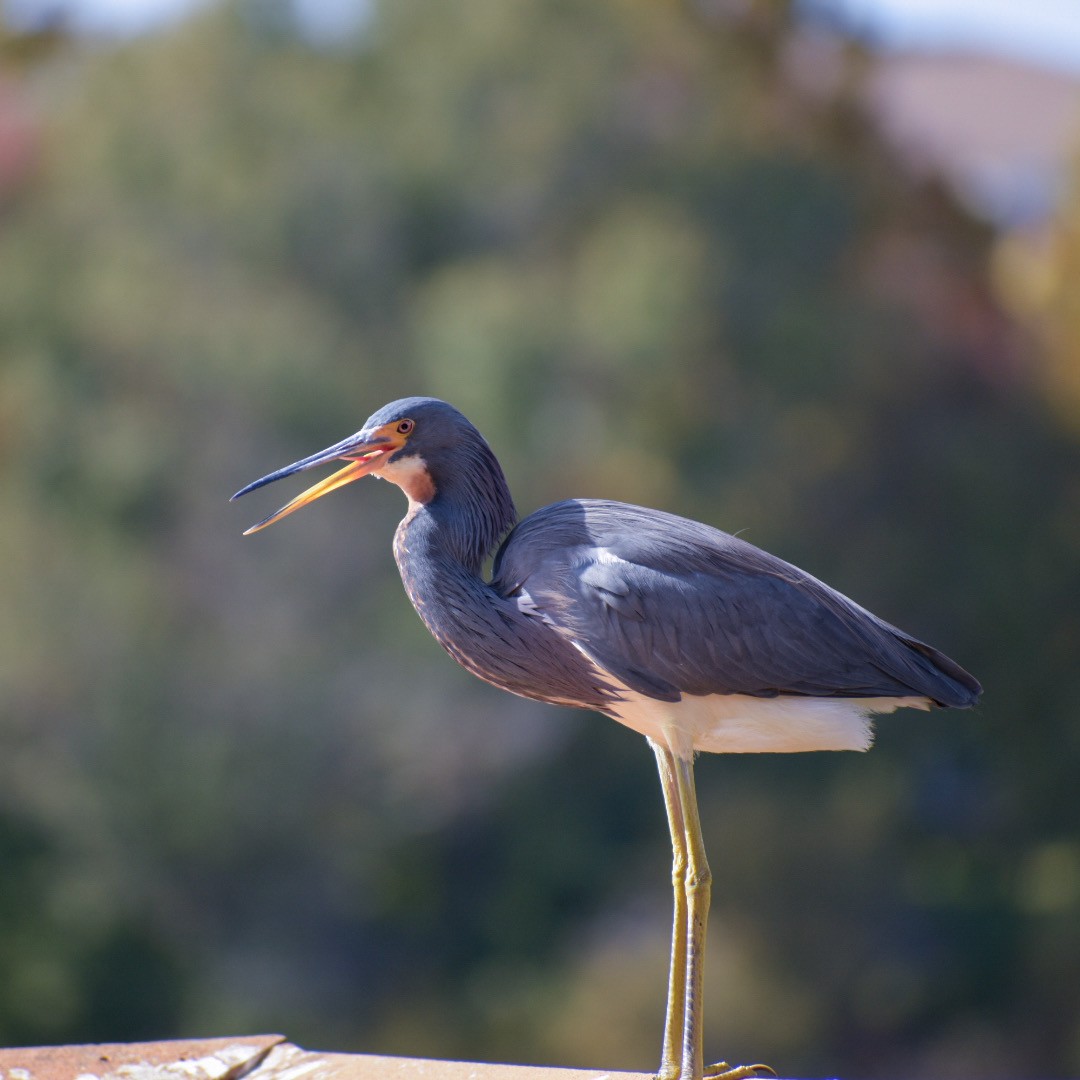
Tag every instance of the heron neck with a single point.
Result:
(470, 511)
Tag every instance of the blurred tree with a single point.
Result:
(1037, 273)
(653, 262)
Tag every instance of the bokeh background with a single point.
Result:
(710, 257)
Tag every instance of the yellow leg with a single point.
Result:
(674, 1021)
(698, 896)
(681, 1057)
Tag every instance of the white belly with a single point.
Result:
(739, 724)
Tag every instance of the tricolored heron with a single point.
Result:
(694, 638)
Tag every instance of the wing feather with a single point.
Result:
(670, 606)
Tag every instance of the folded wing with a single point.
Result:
(669, 607)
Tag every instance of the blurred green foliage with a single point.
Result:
(241, 790)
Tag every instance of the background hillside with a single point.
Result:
(656, 253)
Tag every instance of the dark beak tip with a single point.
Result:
(264, 480)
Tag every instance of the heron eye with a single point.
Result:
(405, 426)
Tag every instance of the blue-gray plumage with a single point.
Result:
(670, 607)
(691, 636)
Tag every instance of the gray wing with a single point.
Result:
(670, 606)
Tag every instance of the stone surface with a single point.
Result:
(288, 1062)
(202, 1059)
(255, 1057)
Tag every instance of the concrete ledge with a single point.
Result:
(255, 1057)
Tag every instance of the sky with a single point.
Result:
(1043, 31)
(1046, 32)
(128, 18)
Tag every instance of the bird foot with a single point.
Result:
(723, 1071)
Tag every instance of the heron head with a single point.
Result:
(395, 443)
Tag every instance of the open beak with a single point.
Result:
(365, 451)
